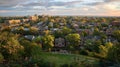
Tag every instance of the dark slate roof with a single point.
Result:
(29, 37)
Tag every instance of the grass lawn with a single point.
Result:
(67, 58)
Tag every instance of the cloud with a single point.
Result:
(40, 5)
(60, 7)
(50, 3)
(9, 3)
(94, 3)
(111, 0)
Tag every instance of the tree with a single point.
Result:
(46, 32)
(103, 50)
(73, 40)
(56, 25)
(1, 58)
(92, 46)
(33, 30)
(84, 33)
(116, 34)
(21, 28)
(104, 20)
(58, 34)
(52, 20)
(66, 30)
(114, 53)
(103, 37)
(47, 42)
(37, 39)
(31, 49)
(96, 32)
(104, 25)
(1, 20)
(10, 46)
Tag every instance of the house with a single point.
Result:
(12, 22)
(26, 29)
(88, 31)
(40, 23)
(111, 39)
(109, 31)
(76, 26)
(29, 37)
(25, 20)
(59, 42)
(46, 27)
(14, 28)
(33, 18)
(61, 24)
(51, 24)
(54, 29)
(115, 23)
(79, 31)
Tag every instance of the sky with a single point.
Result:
(60, 7)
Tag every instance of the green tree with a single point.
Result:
(114, 53)
(56, 25)
(116, 34)
(73, 40)
(96, 32)
(84, 34)
(103, 37)
(1, 58)
(58, 33)
(104, 49)
(47, 42)
(66, 30)
(1, 20)
(37, 39)
(31, 48)
(92, 46)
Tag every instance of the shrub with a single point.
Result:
(1, 57)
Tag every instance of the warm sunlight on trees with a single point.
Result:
(10, 46)
(73, 40)
(48, 42)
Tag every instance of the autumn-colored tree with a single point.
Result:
(10, 46)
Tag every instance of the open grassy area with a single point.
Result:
(67, 58)
(58, 59)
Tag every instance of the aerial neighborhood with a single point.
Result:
(92, 36)
(97, 29)
(59, 33)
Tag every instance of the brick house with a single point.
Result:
(59, 42)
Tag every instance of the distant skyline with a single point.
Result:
(60, 7)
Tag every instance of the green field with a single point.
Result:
(56, 58)
(60, 59)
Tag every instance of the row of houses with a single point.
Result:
(21, 21)
(58, 42)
